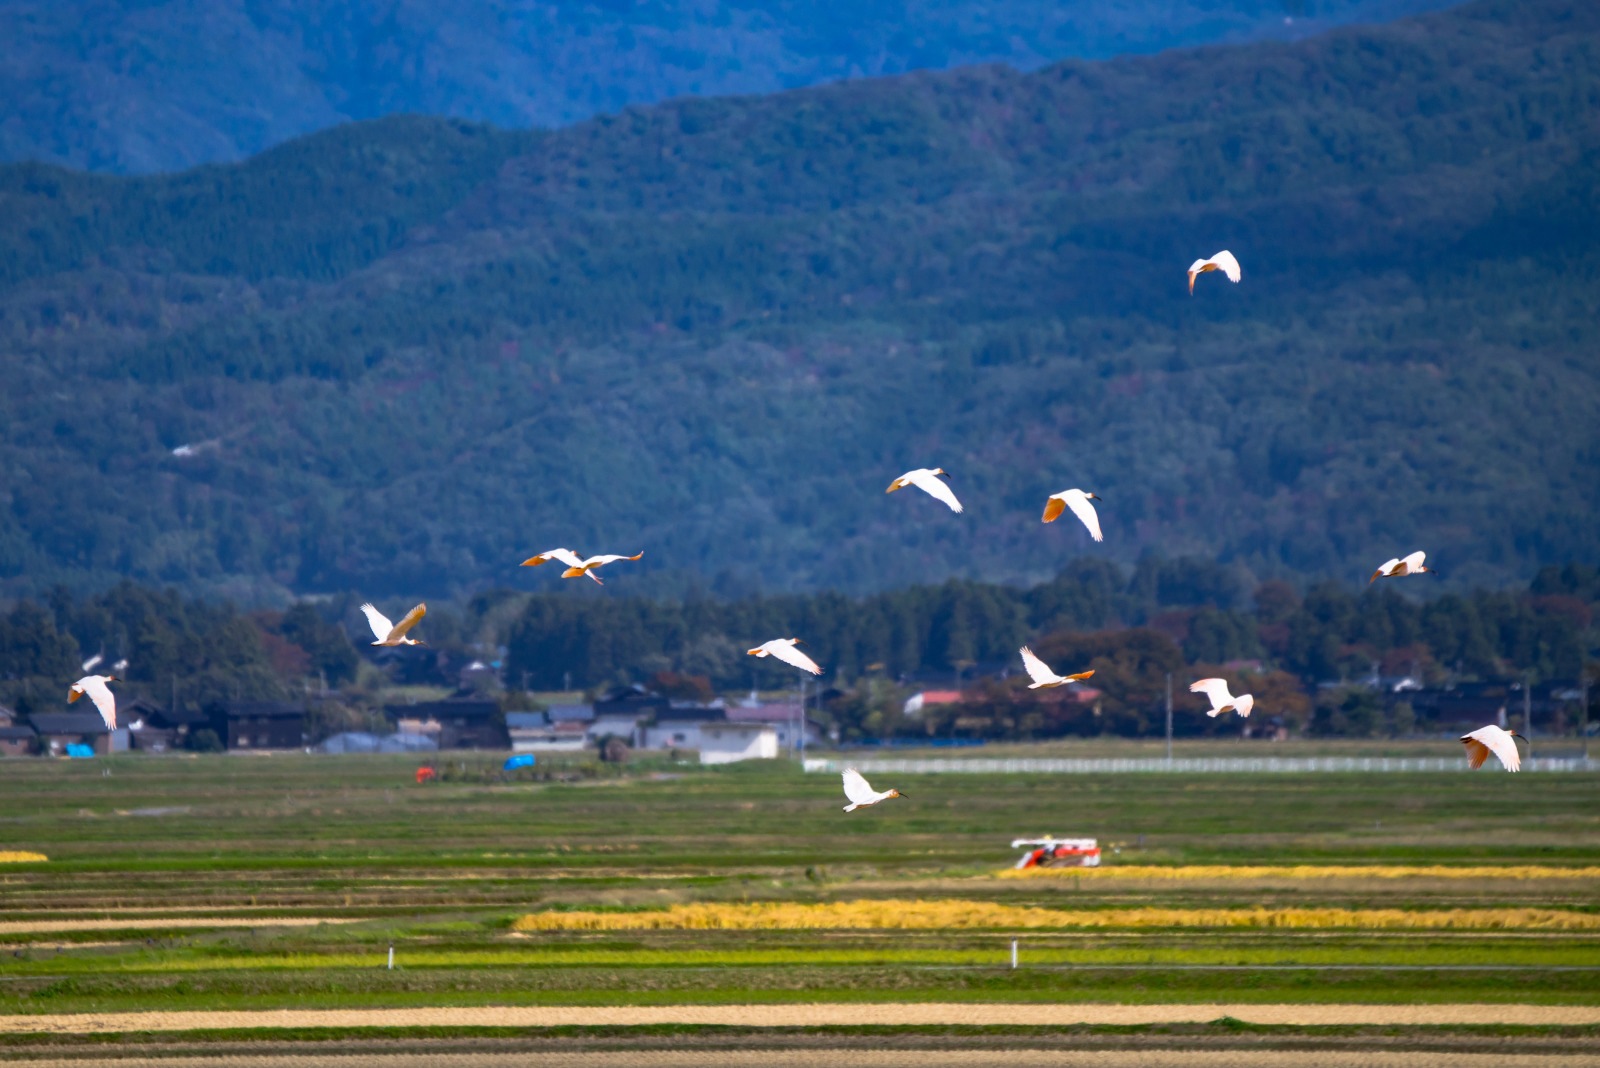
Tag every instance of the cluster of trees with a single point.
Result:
(174, 649)
(1201, 612)
(714, 329)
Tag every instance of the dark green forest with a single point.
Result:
(406, 354)
(1189, 617)
(133, 86)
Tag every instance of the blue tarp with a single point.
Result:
(521, 760)
(79, 750)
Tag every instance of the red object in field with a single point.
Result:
(1058, 852)
(424, 774)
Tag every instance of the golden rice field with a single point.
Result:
(1302, 871)
(17, 856)
(955, 914)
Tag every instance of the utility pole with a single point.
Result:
(1583, 706)
(1169, 719)
(1527, 708)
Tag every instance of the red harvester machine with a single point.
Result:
(1058, 852)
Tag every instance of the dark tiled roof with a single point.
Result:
(15, 733)
(261, 710)
(68, 723)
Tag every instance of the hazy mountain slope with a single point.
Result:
(714, 330)
(135, 86)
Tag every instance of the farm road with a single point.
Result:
(892, 1014)
(861, 1058)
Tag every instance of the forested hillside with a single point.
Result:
(134, 86)
(407, 354)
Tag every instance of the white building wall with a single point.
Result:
(719, 742)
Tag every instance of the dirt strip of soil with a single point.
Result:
(813, 1015)
(852, 1058)
(159, 923)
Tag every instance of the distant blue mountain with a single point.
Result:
(132, 86)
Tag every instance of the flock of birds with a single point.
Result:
(1480, 743)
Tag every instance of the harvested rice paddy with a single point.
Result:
(892, 913)
(280, 884)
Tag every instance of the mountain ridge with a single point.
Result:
(135, 86)
(715, 329)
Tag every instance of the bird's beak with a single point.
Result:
(897, 793)
(1094, 496)
(797, 641)
(942, 471)
(1522, 737)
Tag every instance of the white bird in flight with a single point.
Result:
(89, 664)
(1221, 699)
(1041, 674)
(1222, 261)
(1078, 501)
(104, 700)
(1491, 739)
(394, 633)
(1403, 565)
(860, 792)
(784, 649)
(926, 479)
(576, 566)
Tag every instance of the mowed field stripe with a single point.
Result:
(160, 923)
(863, 1058)
(881, 1014)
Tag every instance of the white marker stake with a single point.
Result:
(1013, 953)
(391, 958)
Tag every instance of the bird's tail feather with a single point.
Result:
(851, 808)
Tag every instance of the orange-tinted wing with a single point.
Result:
(73, 694)
(1477, 752)
(1053, 509)
(1080, 676)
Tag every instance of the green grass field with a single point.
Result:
(146, 859)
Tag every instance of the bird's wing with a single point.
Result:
(1215, 689)
(565, 556)
(759, 651)
(103, 699)
(1227, 265)
(1038, 670)
(900, 483)
(857, 789)
(1243, 704)
(409, 621)
(1504, 746)
(1414, 561)
(929, 483)
(1053, 508)
(790, 655)
(1196, 267)
(596, 561)
(1085, 511)
(378, 622)
(1384, 568)
(1477, 752)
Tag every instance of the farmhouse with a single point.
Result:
(15, 739)
(537, 732)
(718, 739)
(259, 725)
(465, 722)
(57, 730)
(784, 719)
